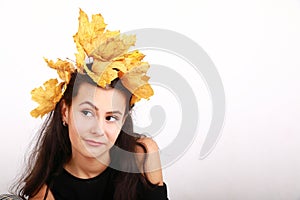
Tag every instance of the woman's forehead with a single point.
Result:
(108, 98)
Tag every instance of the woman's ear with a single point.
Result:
(64, 112)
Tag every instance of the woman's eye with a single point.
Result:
(87, 113)
(111, 118)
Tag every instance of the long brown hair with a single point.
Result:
(53, 149)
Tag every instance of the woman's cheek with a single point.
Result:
(113, 132)
(81, 126)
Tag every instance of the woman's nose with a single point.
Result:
(98, 127)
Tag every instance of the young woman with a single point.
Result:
(86, 148)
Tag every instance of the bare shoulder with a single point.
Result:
(149, 161)
(40, 195)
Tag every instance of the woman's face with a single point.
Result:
(94, 119)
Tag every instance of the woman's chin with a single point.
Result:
(101, 156)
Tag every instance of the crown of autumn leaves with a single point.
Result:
(111, 60)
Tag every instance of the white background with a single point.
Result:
(255, 46)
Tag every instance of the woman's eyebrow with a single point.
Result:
(89, 103)
(95, 107)
(114, 112)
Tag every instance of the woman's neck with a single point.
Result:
(87, 167)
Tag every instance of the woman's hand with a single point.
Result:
(149, 163)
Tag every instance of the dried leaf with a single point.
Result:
(131, 58)
(105, 77)
(93, 41)
(136, 81)
(80, 56)
(113, 47)
(119, 65)
(111, 60)
(99, 67)
(64, 68)
(134, 99)
(47, 96)
(88, 34)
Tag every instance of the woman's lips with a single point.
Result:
(93, 143)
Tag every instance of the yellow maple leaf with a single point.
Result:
(136, 81)
(103, 73)
(111, 60)
(119, 65)
(134, 99)
(113, 47)
(103, 78)
(80, 56)
(47, 96)
(64, 68)
(131, 57)
(130, 60)
(92, 40)
(88, 35)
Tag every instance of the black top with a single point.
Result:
(65, 186)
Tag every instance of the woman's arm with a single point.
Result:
(152, 165)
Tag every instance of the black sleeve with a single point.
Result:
(155, 193)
